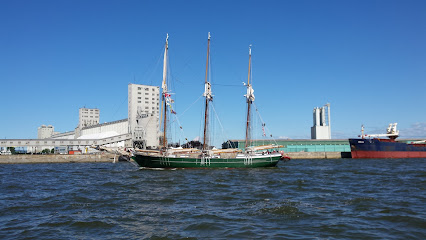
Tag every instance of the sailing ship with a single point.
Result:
(167, 157)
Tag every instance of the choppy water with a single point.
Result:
(301, 199)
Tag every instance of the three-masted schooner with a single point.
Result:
(167, 157)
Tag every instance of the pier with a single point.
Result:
(57, 158)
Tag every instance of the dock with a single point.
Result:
(56, 158)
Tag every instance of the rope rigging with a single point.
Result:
(221, 126)
(267, 132)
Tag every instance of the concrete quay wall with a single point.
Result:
(318, 155)
(108, 157)
(56, 158)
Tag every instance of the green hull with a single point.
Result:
(184, 162)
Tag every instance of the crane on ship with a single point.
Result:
(391, 132)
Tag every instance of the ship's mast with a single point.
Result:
(164, 88)
(209, 97)
(250, 98)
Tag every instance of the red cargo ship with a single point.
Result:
(372, 146)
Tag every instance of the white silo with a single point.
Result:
(321, 128)
(314, 117)
(317, 116)
(322, 120)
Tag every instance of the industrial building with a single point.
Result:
(143, 115)
(322, 124)
(140, 129)
(300, 145)
(88, 117)
(45, 131)
(142, 121)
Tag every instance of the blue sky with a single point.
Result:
(366, 58)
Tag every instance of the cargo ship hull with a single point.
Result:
(385, 148)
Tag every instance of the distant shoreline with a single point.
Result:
(108, 157)
(56, 158)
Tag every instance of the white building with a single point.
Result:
(105, 130)
(321, 128)
(143, 114)
(65, 135)
(88, 117)
(142, 121)
(45, 131)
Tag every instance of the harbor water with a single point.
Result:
(300, 199)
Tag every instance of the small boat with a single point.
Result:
(206, 157)
(375, 146)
